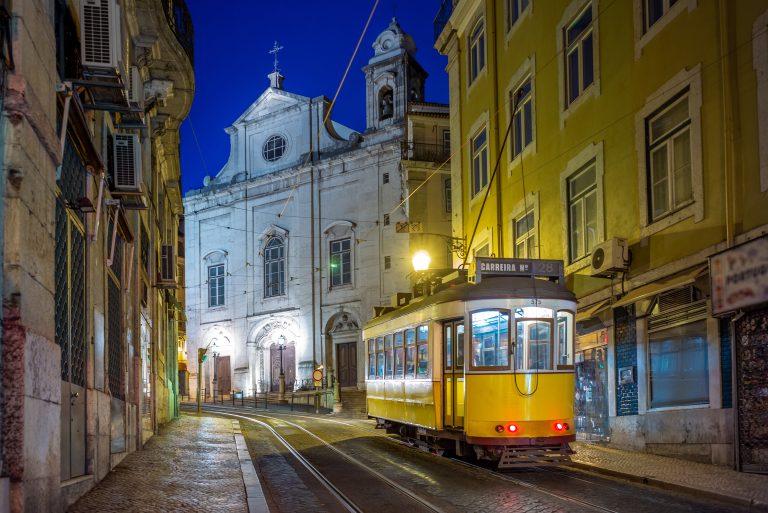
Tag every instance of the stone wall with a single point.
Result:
(751, 384)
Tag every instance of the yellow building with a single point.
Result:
(629, 139)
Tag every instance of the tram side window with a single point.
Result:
(448, 338)
(423, 351)
(399, 356)
(379, 358)
(534, 344)
(390, 356)
(459, 346)
(490, 339)
(410, 353)
(564, 338)
(371, 359)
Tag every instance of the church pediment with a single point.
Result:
(270, 102)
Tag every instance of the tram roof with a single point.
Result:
(493, 287)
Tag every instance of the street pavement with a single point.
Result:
(201, 464)
(672, 473)
(191, 466)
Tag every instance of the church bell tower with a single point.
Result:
(393, 78)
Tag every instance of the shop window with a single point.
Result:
(679, 372)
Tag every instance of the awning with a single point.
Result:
(651, 289)
(588, 313)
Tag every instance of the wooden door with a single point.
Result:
(224, 375)
(453, 374)
(288, 365)
(346, 358)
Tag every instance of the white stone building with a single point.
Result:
(309, 225)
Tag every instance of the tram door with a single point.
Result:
(453, 374)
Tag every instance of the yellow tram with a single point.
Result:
(483, 368)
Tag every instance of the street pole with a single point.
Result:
(201, 357)
(281, 384)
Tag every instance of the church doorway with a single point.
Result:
(223, 376)
(285, 360)
(346, 358)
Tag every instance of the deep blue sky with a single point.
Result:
(232, 40)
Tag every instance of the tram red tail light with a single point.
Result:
(512, 428)
(559, 426)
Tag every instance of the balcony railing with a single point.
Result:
(181, 23)
(425, 152)
(443, 15)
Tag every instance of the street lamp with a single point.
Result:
(281, 384)
(420, 261)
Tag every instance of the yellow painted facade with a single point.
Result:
(662, 118)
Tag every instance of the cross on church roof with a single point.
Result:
(273, 51)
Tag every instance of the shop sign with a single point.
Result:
(739, 276)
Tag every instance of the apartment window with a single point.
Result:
(516, 9)
(341, 262)
(579, 54)
(522, 114)
(668, 142)
(447, 195)
(484, 251)
(447, 142)
(479, 162)
(216, 285)
(476, 51)
(679, 372)
(385, 178)
(653, 10)
(387, 262)
(274, 267)
(525, 236)
(386, 219)
(582, 212)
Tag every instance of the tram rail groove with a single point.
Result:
(345, 501)
(505, 477)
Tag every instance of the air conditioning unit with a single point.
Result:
(135, 87)
(609, 257)
(100, 34)
(127, 162)
(166, 277)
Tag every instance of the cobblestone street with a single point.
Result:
(191, 466)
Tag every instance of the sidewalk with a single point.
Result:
(675, 474)
(192, 465)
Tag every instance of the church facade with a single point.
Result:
(310, 225)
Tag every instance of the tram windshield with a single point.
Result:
(490, 339)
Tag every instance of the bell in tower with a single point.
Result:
(393, 78)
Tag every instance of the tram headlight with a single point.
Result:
(559, 426)
(512, 428)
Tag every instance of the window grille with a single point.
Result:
(115, 340)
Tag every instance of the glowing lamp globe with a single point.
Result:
(420, 261)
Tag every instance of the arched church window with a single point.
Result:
(274, 267)
(274, 148)
(385, 103)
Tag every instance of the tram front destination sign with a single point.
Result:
(530, 268)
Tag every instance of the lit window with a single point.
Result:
(399, 356)
(274, 267)
(422, 351)
(582, 212)
(274, 148)
(341, 262)
(371, 359)
(525, 236)
(216, 285)
(479, 162)
(669, 149)
(522, 124)
(653, 10)
(490, 339)
(390, 357)
(516, 9)
(533, 339)
(380, 358)
(579, 54)
(410, 353)
(679, 371)
(476, 51)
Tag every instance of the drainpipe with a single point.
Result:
(494, 118)
(727, 87)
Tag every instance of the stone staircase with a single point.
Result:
(353, 403)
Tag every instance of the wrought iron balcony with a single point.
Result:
(425, 152)
(181, 23)
(443, 15)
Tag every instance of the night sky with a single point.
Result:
(232, 41)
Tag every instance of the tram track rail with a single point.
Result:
(476, 468)
(343, 499)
